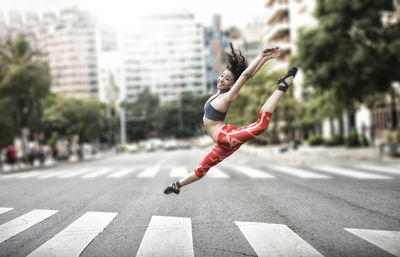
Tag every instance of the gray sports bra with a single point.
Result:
(211, 113)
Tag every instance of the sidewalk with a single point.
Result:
(306, 155)
(50, 163)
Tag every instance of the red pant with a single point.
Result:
(229, 138)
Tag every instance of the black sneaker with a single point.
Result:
(291, 72)
(174, 187)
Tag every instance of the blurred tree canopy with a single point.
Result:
(68, 116)
(180, 118)
(352, 54)
(140, 115)
(24, 84)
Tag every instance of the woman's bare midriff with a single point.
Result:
(211, 126)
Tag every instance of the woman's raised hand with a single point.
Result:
(271, 53)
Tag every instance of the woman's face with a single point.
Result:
(225, 80)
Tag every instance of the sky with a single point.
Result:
(233, 12)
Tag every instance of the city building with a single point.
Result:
(164, 53)
(283, 21)
(70, 44)
(215, 43)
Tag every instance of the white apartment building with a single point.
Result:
(69, 42)
(283, 20)
(164, 53)
(109, 67)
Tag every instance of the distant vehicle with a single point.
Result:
(170, 144)
(184, 144)
(132, 148)
(153, 144)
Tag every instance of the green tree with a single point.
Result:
(181, 118)
(24, 83)
(351, 52)
(140, 115)
(322, 106)
(68, 116)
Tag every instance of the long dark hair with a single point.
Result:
(237, 63)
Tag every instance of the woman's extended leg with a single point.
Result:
(215, 156)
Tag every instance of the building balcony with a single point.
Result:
(269, 3)
(276, 12)
(281, 44)
(274, 33)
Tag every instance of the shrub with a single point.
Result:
(315, 140)
(397, 136)
(336, 140)
(363, 140)
(352, 139)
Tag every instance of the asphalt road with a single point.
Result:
(246, 207)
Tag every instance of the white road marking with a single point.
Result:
(15, 175)
(4, 209)
(178, 172)
(349, 172)
(249, 171)
(121, 173)
(378, 168)
(30, 174)
(74, 173)
(71, 241)
(387, 240)
(167, 236)
(54, 173)
(17, 225)
(275, 240)
(99, 172)
(149, 172)
(215, 172)
(296, 171)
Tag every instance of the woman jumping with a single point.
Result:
(228, 138)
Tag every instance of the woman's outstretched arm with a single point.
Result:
(251, 70)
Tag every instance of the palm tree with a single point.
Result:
(24, 82)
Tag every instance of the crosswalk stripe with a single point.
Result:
(3, 209)
(74, 173)
(387, 240)
(149, 172)
(296, 172)
(53, 174)
(215, 172)
(249, 171)
(98, 173)
(23, 222)
(30, 174)
(379, 168)
(167, 236)
(275, 240)
(178, 172)
(15, 175)
(76, 237)
(349, 172)
(121, 173)
(44, 173)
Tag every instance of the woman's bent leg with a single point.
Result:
(217, 154)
